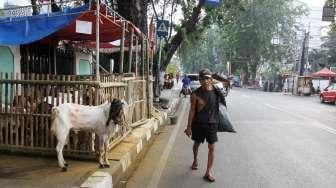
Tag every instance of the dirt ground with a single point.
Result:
(18, 171)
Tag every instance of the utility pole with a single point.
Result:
(303, 54)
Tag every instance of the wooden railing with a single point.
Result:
(26, 101)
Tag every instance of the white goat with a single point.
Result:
(103, 119)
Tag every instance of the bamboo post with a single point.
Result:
(1, 110)
(17, 103)
(97, 39)
(11, 122)
(136, 55)
(131, 52)
(122, 49)
(143, 57)
(6, 110)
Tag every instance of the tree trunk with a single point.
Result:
(35, 9)
(134, 11)
(253, 69)
(189, 26)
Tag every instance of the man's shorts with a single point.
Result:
(203, 132)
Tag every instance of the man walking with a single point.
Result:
(203, 120)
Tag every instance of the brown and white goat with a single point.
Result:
(103, 119)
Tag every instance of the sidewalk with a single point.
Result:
(18, 171)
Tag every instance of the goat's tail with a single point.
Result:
(54, 120)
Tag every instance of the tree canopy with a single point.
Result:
(246, 33)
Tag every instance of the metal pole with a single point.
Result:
(158, 72)
(97, 39)
(159, 61)
(55, 60)
(149, 99)
(121, 66)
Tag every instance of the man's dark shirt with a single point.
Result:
(210, 112)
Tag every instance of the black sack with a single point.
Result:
(224, 124)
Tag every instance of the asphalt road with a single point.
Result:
(281, 141)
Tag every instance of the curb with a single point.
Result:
(125, 154)
(172, 115)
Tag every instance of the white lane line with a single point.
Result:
(313, 122)
(154, 182)
(245, 96)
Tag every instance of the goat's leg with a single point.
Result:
(66, 143)
(62, 139)
(107, 164)
(101, 151)
(61, 162)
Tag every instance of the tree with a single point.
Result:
(247, 29)
(329, 48)
(134, 11)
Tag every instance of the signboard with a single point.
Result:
(211, 3)
(83, 27)
(162, 28)
(17, 12)
(328, 14)
(333, 69)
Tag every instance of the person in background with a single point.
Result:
(177, 77)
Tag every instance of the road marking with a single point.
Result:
(154, 182)
(313, 122)
(245, 96)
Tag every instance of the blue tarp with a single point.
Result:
(25, 30)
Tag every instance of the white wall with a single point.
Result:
(79, 56)
(322, 83)
(17, 57)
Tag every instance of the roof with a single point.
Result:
(324, 73)
(64, 24)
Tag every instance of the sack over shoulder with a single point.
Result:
(224, 124)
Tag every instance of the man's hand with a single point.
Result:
(188, 131)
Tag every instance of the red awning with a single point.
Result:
(110, 28)
(324, 73)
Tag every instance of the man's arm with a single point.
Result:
(191, 114)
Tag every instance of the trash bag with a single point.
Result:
(221, 92)
(224, 124)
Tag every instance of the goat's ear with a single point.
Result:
(124, 102)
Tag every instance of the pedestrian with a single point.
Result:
(177, 77)
(203, 121)
(185, 86)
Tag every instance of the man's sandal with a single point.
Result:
(209, 178)
(194, 166)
